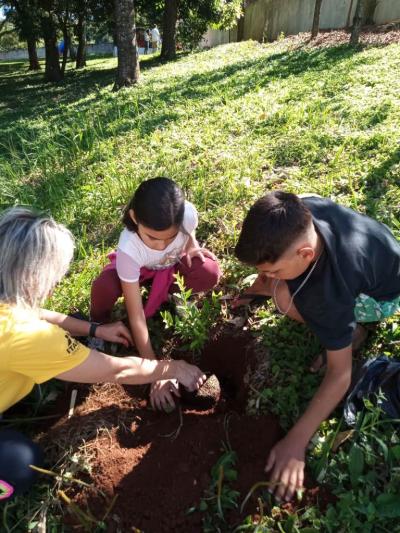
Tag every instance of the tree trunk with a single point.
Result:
(128, 69)
(240, 22)
(81, 32)
(72, 51)
(349, 14)
(168, 48)
(315, 24)
(33, 58)
(357, 23)
(240, 29)
(65, 51)
(49, 32)
(66, 37)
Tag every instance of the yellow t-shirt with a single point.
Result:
(32, 351)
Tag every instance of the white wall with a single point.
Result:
(215, 37)
(92, 49)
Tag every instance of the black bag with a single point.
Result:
(380, 373)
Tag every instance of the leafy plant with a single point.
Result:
(364, 474)
(290, 385)
(196, 18)
(361, 466)
(220, 497)
(192, 322)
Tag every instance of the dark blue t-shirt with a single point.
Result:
(360, 255)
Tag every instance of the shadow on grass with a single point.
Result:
(30, 97)
(26, 95)
(56, 122)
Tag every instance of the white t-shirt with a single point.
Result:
(133, 253)
(155, 34)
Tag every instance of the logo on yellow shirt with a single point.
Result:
(72, 344)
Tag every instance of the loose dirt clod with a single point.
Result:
(205, 398)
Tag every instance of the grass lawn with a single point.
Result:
(227, 125)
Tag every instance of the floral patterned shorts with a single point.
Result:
(369, 310)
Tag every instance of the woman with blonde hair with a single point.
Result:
(37, 345)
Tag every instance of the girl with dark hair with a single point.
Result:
(157, 242)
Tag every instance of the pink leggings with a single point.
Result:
(106, 289)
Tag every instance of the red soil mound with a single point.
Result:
(159, 464)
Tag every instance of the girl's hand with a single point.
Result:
(115, 332)
(162, 392)
(190, 376)
(201, 253)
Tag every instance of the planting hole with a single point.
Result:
(159, 464)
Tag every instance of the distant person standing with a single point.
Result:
(146, 41)
(155, 37)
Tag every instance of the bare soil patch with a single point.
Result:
(158, 465)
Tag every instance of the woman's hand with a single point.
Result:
(115, 332)
(162, 392)
(190, 376)
(199, 252)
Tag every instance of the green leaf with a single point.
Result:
(371, 510)
(388, 505)
(203, 506)
(395, 451)
(230, 474)
(356, 463)
(383, 447)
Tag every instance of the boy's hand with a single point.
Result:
(162, 392)
(286, 460)
(115, 332)
(261, 286)
(201, 253)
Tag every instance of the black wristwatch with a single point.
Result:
(93, 327)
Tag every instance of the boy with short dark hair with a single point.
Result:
(330, 267)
